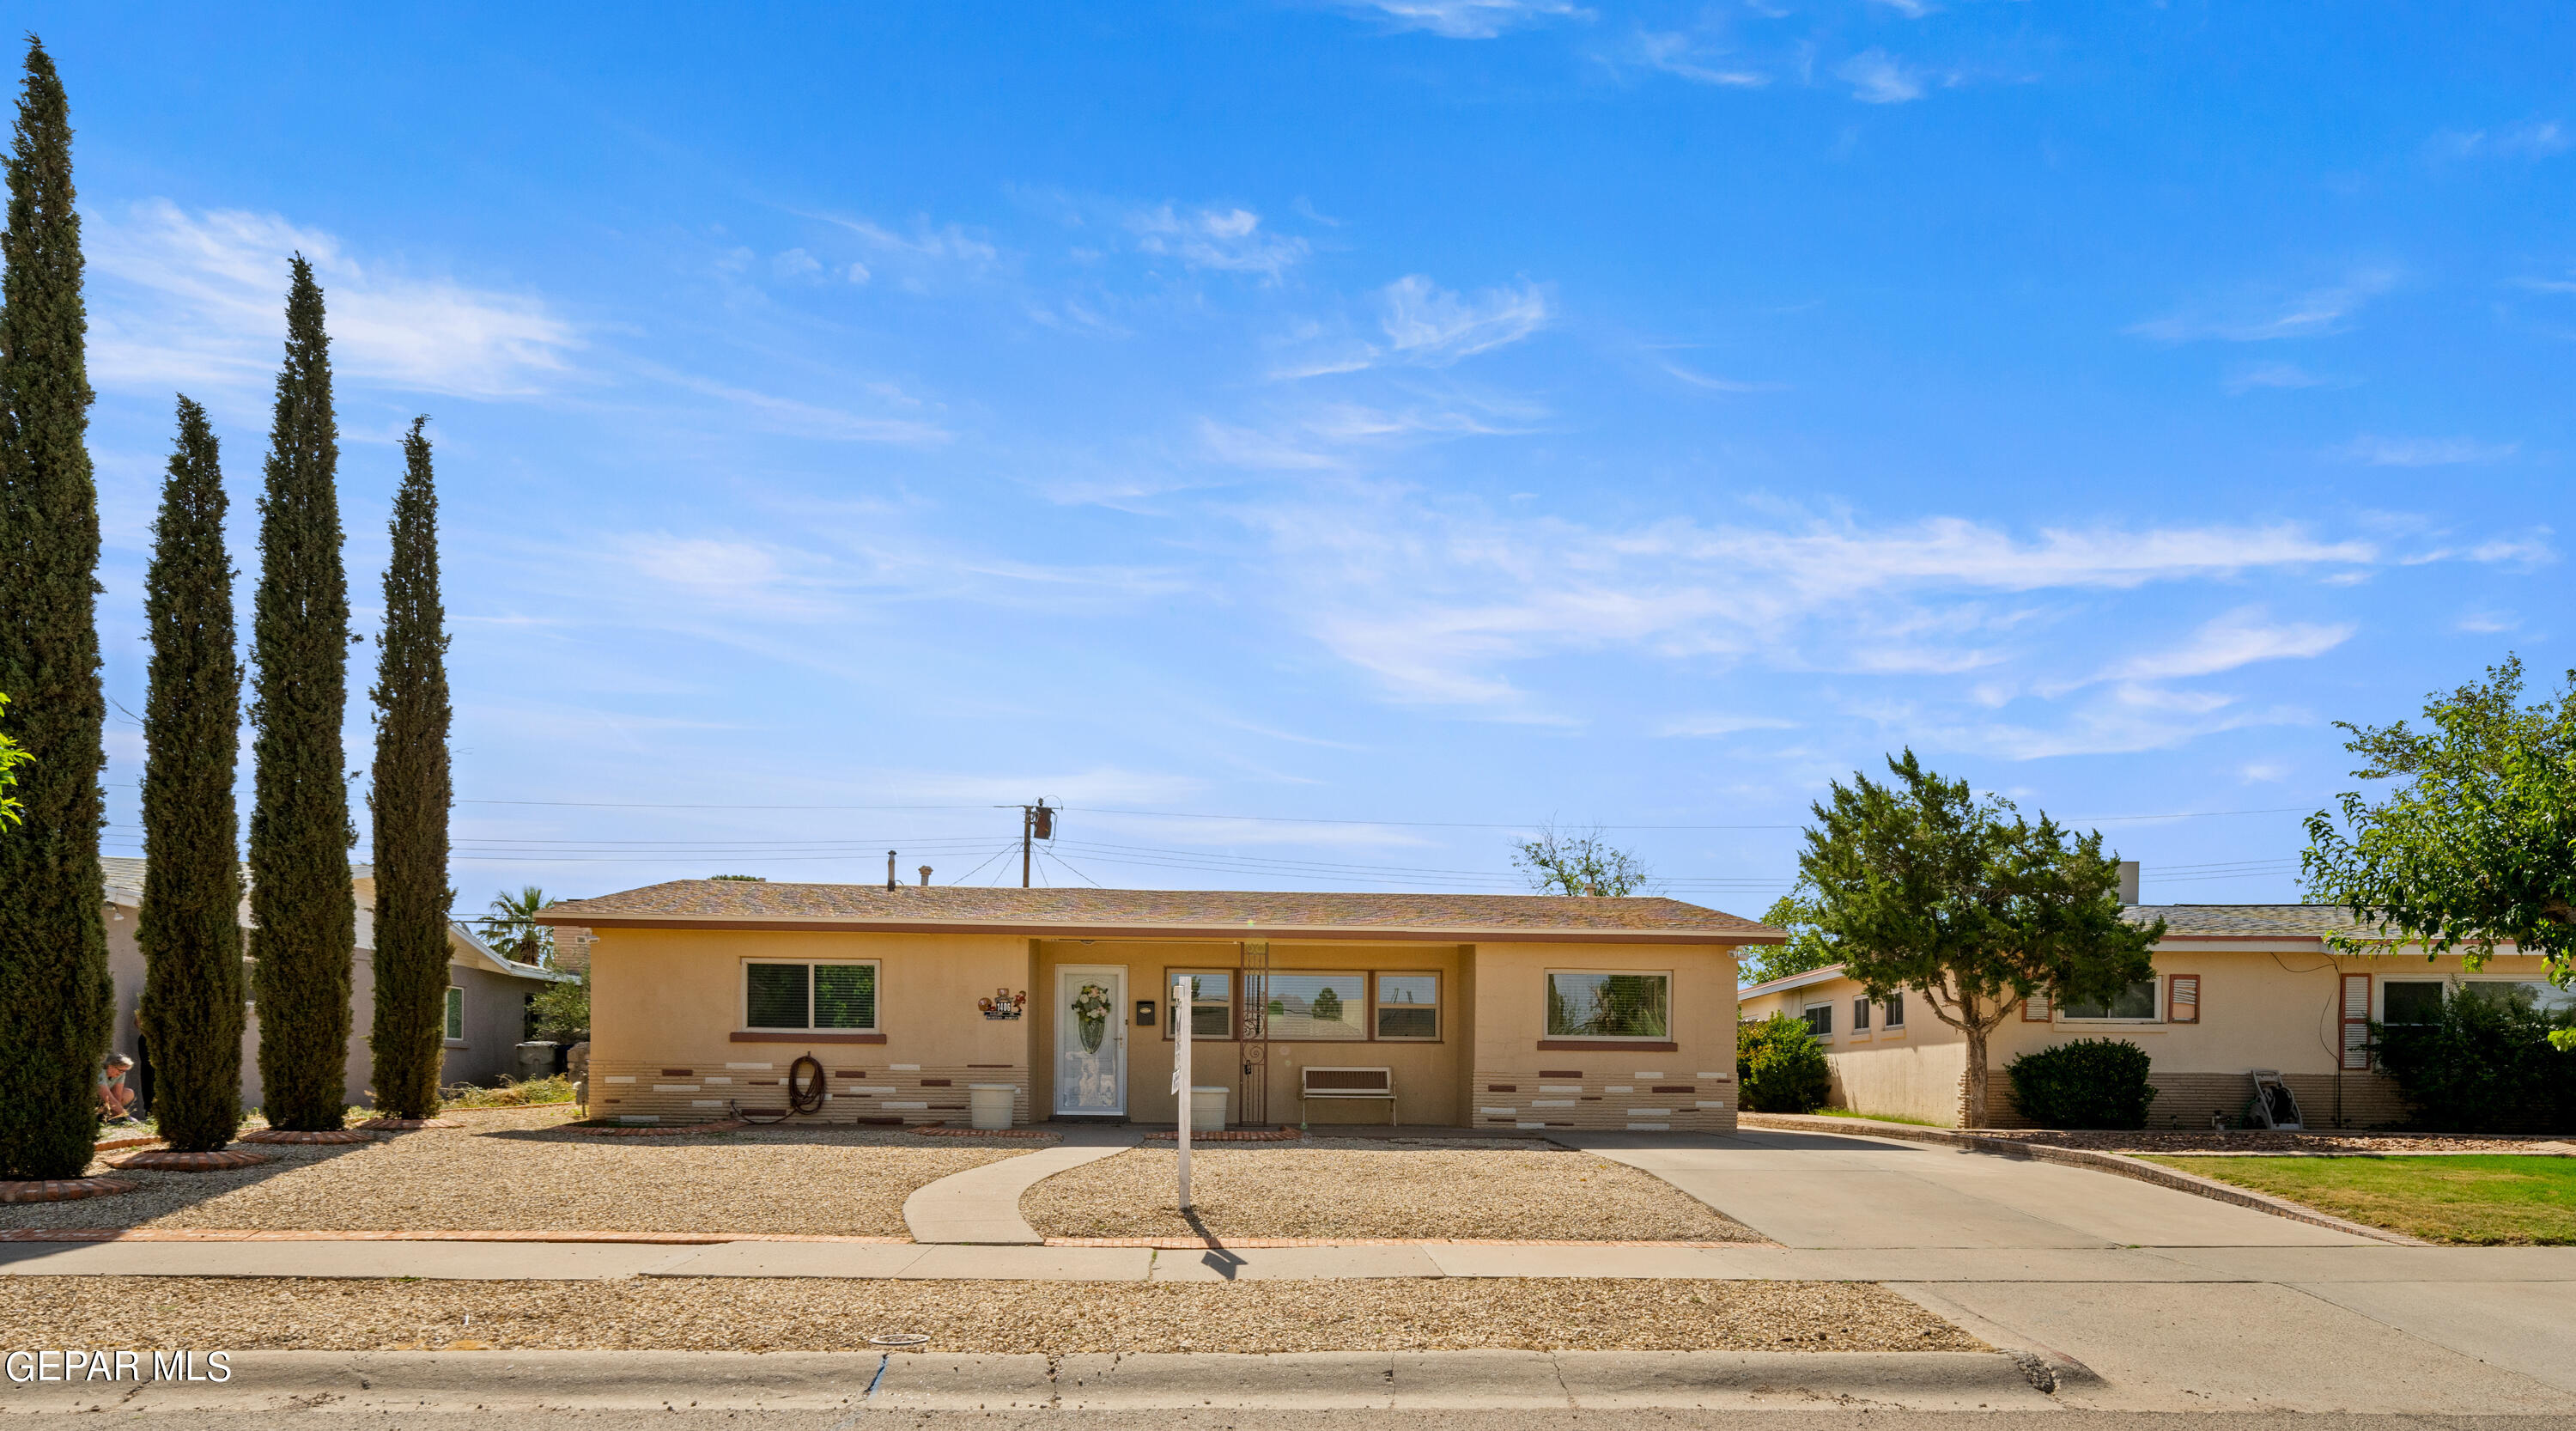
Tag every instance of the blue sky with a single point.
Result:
(1404, 422)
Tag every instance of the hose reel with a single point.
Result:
(802, 1096)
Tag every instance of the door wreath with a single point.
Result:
(1091, 1016)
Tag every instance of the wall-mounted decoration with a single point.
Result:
(1004, 1004)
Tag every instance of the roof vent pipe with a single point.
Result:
(925, 876)
(889, 869)
(2128, 881)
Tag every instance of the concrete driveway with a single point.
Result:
(2147, 1298)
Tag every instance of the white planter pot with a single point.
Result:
(988, 1105)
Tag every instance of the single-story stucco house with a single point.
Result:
(2236, 988)
(1510, 1011)
(487, 995)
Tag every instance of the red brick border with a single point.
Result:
(64, 1189)
(109, 1145)
(406, 1125)
(1244, 1135)
(695, 1239)
(290, 1135)
(168, 1160)
(942, 1130)
(654, 1130)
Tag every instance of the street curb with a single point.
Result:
(926, 1381)
(2127, 1167)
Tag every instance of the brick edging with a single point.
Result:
(702, 1239)
(1240, 1135)
(2127, 1167)
(654, 1130)
(64, 1189)
(1219, 1244)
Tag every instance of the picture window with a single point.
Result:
(1599, 1005)
(810, 997)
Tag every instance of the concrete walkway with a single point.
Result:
(982, 1205)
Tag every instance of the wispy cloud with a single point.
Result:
(803, 419)
(2280, 375)
(1466, 19)
(2375, 451)
(1910, 9)
(200, 300)
(1428, 324)
(2528, 139)
(1680, 55)
(2239, 638)
(2314, 313)
(1721, 385)
(2121, 720)
(1229, 240)
(1712, 725)
(1877, 77)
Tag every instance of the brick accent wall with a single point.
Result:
(572, 949)
(1605, 1090)
(862, 1090)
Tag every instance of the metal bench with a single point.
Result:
(1315, 1083)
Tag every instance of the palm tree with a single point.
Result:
(512, 929)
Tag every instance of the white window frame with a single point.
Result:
(2057, 1009)
(451, 1015)
(1439, 1014)
(1233, 1003)
(742, 996)
(1667, 1036)
(1891, 1013)
(2379, 993)
(1860, 1012)
(1807, 1015)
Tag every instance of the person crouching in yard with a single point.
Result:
(115, 1100)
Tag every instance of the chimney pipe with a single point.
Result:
(2128, 881)
(889, 869)
(925, 876)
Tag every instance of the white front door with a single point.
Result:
(1090, 1039)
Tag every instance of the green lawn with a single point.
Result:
(2481, 1198)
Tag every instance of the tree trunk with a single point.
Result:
(1976, 1115)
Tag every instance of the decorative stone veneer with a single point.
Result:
(2185, 1100)
(1648, 1092)
(861, 1090)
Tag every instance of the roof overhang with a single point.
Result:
(1825, 975)
(1199, 933)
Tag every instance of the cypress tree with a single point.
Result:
(303, 912)
(192, 981)
(56, 1004)
(410, 803)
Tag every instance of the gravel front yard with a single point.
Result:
(798, 1314)
(1425, 1190)
(521, 1170)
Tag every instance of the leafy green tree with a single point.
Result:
(562, 1011)
(2476, 844)
(189, 928)
(56, 1002)
(12, 755)
(1922, 886)
(303, 910)
(2485, 1062)
(410, 802)
(1807, 949)
(512, 928)
(1579, 863)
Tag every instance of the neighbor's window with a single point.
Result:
(1895, 1012)
(456, 1013)
(1860, 1016)
(1408, 1006)
(1589, 1005)
(2138, 1001)
(800, 996)
(1820, 1020)
(2411, 1001)
(1211, 1003)
(2529, 993)
(1314, 1006)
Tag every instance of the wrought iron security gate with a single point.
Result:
(1252, 971)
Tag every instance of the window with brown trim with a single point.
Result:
(1407, 1008)
(1211, 1003)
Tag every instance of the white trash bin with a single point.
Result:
(1207, 1107)
(988, 1105)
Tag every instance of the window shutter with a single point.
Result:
(2035, 1009)
(2182, 1006)
(2356, 1021)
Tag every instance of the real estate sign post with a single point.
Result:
(1181, 1075)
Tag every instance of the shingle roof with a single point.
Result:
(2249, 921)
(1229, 914)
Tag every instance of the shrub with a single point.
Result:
(2090, 1083)
(2485, 1064)
(560, 1013)
(519, 1093)
(1780, 1067)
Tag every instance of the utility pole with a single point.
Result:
(1037, 822)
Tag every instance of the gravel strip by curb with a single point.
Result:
(2126, 1167)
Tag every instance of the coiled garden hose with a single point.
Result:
(802, 1096)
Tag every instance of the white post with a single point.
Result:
(1180, 1016)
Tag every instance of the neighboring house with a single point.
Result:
(487, 995)
(1494, 1010)
(2237, 987)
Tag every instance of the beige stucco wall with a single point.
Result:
(1524, 1079)
(2274, 1006)
(666, 1008)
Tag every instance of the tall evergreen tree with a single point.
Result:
(410, 803)
(55, 1001)
(303, 911)
(191, 940)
